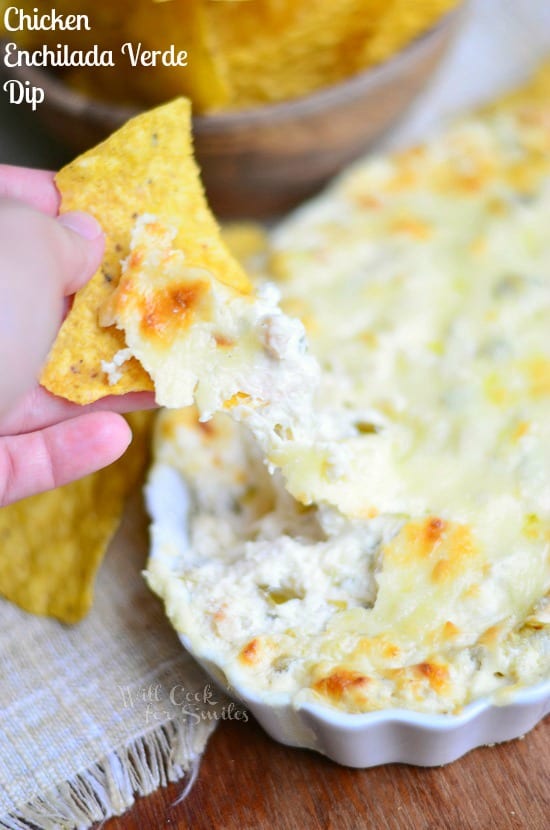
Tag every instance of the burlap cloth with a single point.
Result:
(94, 714)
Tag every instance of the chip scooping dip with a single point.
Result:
(145, 167)
(170, 308)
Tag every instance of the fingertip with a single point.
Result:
(109, 436)
(37, 461)
(82, 251)
(84, 224)
(90, 441)
(54, 256)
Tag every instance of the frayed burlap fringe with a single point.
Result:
(169, 753)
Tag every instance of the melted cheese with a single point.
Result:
(206, 342)
(402, 556)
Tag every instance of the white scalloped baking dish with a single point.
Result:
(358, 740)
(378, 281)
(398, 735)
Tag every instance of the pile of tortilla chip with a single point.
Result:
(241, 53)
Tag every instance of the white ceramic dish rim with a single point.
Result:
(390, 736)
(372, 738)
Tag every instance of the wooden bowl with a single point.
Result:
(260, 162)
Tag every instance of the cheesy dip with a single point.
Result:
(402, 556)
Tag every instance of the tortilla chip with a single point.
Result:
(322, 43)
(145, 167)
(52, 544)
(249, 39)
(183, 26)
(398, 24)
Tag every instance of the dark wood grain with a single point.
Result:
(249, 782)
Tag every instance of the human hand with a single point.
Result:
(45, 441)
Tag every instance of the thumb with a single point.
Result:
(42, 259)
(81, 245)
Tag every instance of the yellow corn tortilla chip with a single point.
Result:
(182, 26)
(52, 544)
(322, 43)
(145, 167)
(398, 24)
(249, 39)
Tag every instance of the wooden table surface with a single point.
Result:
(249, 782)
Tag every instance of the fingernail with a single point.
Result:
(81, 223)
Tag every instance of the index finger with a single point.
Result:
(34, 187)
(40, 409)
